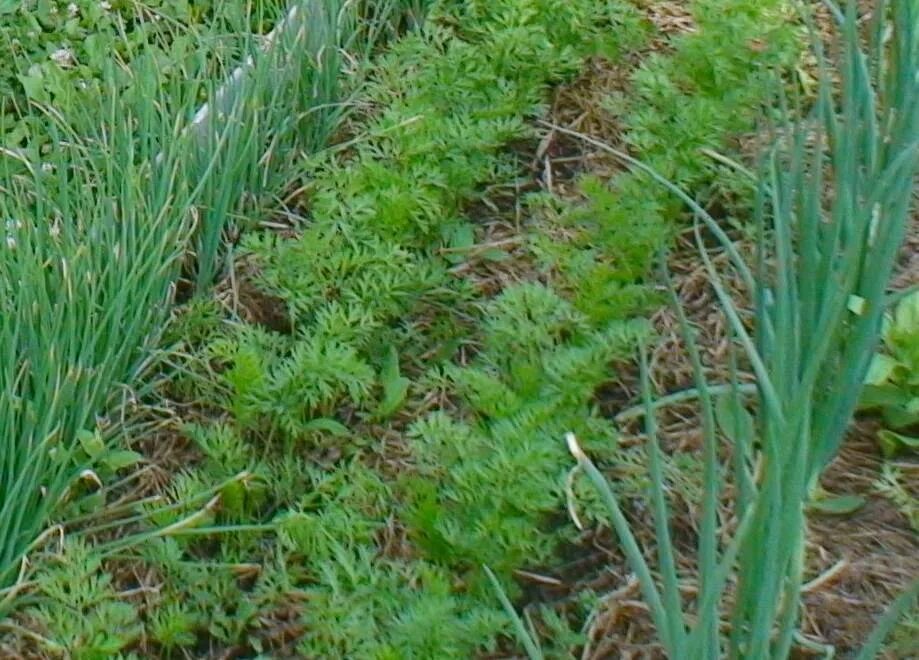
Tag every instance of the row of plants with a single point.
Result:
(398, 422)
(402, 424)
(99, 219)
(819, 283)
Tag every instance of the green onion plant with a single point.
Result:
(284, 102)
(834, 197)
(96, 230)
(94, 233)
(278, 103)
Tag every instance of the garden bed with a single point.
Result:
(369, 405)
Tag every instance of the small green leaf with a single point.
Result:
(91, 503)
(900, 417)
(33, 83)
(390, 371)
(881, 396)
(16, 135)
(841, 505)
(328, 425)
(108, 645)
(463, 237)
(881, 370)
(233, 497)
(460, 239)
(906, 318)
(395, 387)
(8, 6)
(91, 442)
(494, 254)
(893, 444)
(121, 458)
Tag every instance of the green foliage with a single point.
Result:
(293, 390)
(370, 608)
(222, 445)
(484, 487)
(173, 625)
(97, 222)
(279, 100)
(365, 287)
(892, 389)
(59, 51)
(342, 282)
(893, 485)
(892, 383)
(711, 88)
(708, 90)
(212, 597)
(823, 265)
(84, 614)
(903, 639)
(93, 240)
(363, 605)
(404, 428)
